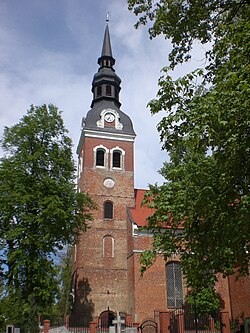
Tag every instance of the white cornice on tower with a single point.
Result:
(108, 135)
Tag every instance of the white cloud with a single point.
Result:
(34, 72)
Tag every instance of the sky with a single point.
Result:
(48, 54)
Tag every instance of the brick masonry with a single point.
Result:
(104, 280)
(239, 290)
(110, 279)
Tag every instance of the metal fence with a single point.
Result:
(79, 329)
(186, 319)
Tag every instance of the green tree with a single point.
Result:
(202, 211)
(205, 300)
(61, 308)
(40, 211)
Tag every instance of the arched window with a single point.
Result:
(117, 159)
(174, 285)
(108, 210)
(100, 155)
(108, 247)
(99, 91)
(108, 90)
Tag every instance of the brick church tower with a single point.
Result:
(106, 172)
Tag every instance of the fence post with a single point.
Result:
(180, 321)
(92, 327)
(128, 320)
(164, 317)
(225, 322)
(46, 326)
(211, 324)
(137, 325)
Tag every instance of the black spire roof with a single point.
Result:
(106, 48)
(106, 84)
(106, 89)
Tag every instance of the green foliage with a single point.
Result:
(202, 211)
(64, 266)
(40, 211)
(185, 22)
(204, 301)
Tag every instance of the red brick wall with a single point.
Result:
(222, 289)
(150, 291)
(102, 282)
(240, 295)
(91, 143)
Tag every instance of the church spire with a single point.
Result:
(106, 84)
(106, 48)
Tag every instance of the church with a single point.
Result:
(106, 278)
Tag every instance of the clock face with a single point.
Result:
(109, 117)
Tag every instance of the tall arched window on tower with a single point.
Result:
(108, 247)
(108, 210)
(174, 285)
(100, 157)
(117, 159)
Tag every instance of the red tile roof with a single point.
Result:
(140, 213)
